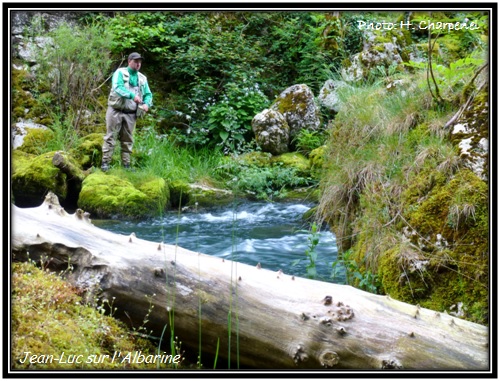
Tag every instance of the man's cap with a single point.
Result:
(135, 56)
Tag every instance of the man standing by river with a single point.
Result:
(130, 95)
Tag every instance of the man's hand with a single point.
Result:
(145, 107)
(137, 99)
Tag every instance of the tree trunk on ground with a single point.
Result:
(276, 321)
(61, 161)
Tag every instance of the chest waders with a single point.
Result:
(120, 121)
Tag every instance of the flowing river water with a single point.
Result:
(272, 234)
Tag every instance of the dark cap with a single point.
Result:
(134, 56)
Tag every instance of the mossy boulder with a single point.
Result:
(298, 105)
(107, 195)
(293, 160)
(443, 259)
(303, 194)
(35, 138)
(317, 159)
(205, 196)
(257, 158)
(33, 176)
(88, 152)
(272, 132)
(197, 195)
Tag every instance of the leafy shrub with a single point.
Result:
(229, 118)
(308, 140)
(263, 182)
(73, 67)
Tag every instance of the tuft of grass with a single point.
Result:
(157, 155)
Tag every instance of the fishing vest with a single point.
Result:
(120, 103)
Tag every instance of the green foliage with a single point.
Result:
(73, 67)
(158, 155)
(455, 75)
(459, 42)
(365, 280)
(266, 183)
(308, 140)
(382, 144)
(229, 118)
(211, 62)
(311, 254)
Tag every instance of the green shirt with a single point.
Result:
(118, 85)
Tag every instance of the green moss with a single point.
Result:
(446, 260)
(204, 196)
(292, 101)
(49, 317)
(156, 188)
(20, 160)
(399, 279)
(260, 159)
(317, 158)
(108, 195)
(88, 152)
(21, 98)
(293, 160)
(36, 140)
(34, 176)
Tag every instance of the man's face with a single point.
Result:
(135, 64)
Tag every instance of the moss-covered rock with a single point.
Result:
(114, 196)
(297, 104)
(293, 160)
(257, 158)
(35, 140)
(443, 260)
(22, 99)
(204, 196)
(304, 194)
(317, 159)
(33, 176)
(88, 152)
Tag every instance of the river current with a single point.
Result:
(272, 234)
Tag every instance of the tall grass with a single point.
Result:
(157, 155)
(378, 141)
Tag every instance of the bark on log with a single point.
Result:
(277, 321)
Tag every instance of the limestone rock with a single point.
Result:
(328, 96)
(298, 106)
(272, 131)
(20, 130)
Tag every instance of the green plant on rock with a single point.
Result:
(365, 280)
(265, 183)
(310, 252)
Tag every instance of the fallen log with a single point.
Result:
(262, 319)
(61, 161)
